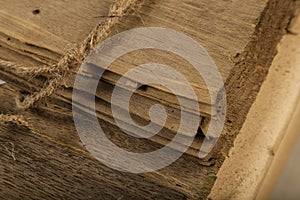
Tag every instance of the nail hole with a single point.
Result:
(8, 39)
(36, 12)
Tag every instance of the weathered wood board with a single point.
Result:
(52, 162)
(221, 34)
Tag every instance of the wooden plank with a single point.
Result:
(44, 37)
(191, 18)
(206, 108)
(54, 124)
(127, 62)
(224, 34)
(153, 92)
(69, 20)
(60, 108)
(34, 167)
(142, 59)
(40, 54)
(28, 33)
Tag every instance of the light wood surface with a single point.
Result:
(36, 39)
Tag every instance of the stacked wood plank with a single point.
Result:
(143, 98)
(40, 33)
(40, 44)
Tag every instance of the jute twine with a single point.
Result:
(22, 70)
(15, 119)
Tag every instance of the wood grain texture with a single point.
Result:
(54, 163)
(45, 170)
(56, 135)
(221, 41)
(72, 25)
